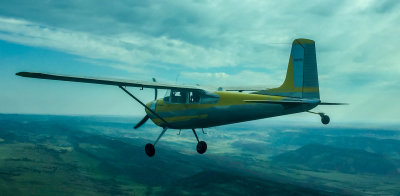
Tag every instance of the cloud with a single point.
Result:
(134, 49)
(242, 78)
(225, 43)
(209, 34)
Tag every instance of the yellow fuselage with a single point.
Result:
(230, 108)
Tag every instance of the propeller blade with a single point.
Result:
(155, 90)
(142, 121)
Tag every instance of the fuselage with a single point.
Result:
(229, 107)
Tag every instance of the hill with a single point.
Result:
(45, 155)
(320, 157)
(223, 183)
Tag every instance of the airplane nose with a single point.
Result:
(151, 105)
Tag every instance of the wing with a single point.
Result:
(106, 81)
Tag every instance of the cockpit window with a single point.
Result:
(194, 97)
(167, 96)
(190, 97)
(178, 96)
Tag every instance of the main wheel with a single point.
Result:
(325, 119)
(201, 147)
(150, 150)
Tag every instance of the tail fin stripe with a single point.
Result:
(297, 56)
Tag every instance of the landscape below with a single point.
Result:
(95, 155)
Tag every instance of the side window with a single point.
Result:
(178, 96)
(194, 97)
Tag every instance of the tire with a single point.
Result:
(150, 150)
(201, 147)
(325, 119)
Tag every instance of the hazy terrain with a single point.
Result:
(63, 155)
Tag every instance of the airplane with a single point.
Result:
(195, 107)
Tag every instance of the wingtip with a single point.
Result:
(24, 74)
(20, 73)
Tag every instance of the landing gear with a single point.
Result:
(150, 150)
(201, 145)
(325, 119)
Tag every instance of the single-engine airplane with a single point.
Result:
(196, 107)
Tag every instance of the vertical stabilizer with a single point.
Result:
(302, 76)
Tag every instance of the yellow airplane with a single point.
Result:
(193, 107)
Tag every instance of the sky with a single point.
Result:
(197, 42)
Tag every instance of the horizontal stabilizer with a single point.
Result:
(325, 103)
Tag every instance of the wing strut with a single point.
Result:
(144, 105)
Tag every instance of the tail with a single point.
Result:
(302, 76)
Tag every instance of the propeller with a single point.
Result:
(145, 118)
(142, 122)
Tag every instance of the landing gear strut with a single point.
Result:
(149, 148)
(201, 145)
(151, 151)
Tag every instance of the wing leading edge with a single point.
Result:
(107, 81)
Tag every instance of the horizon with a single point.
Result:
(298, 122)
